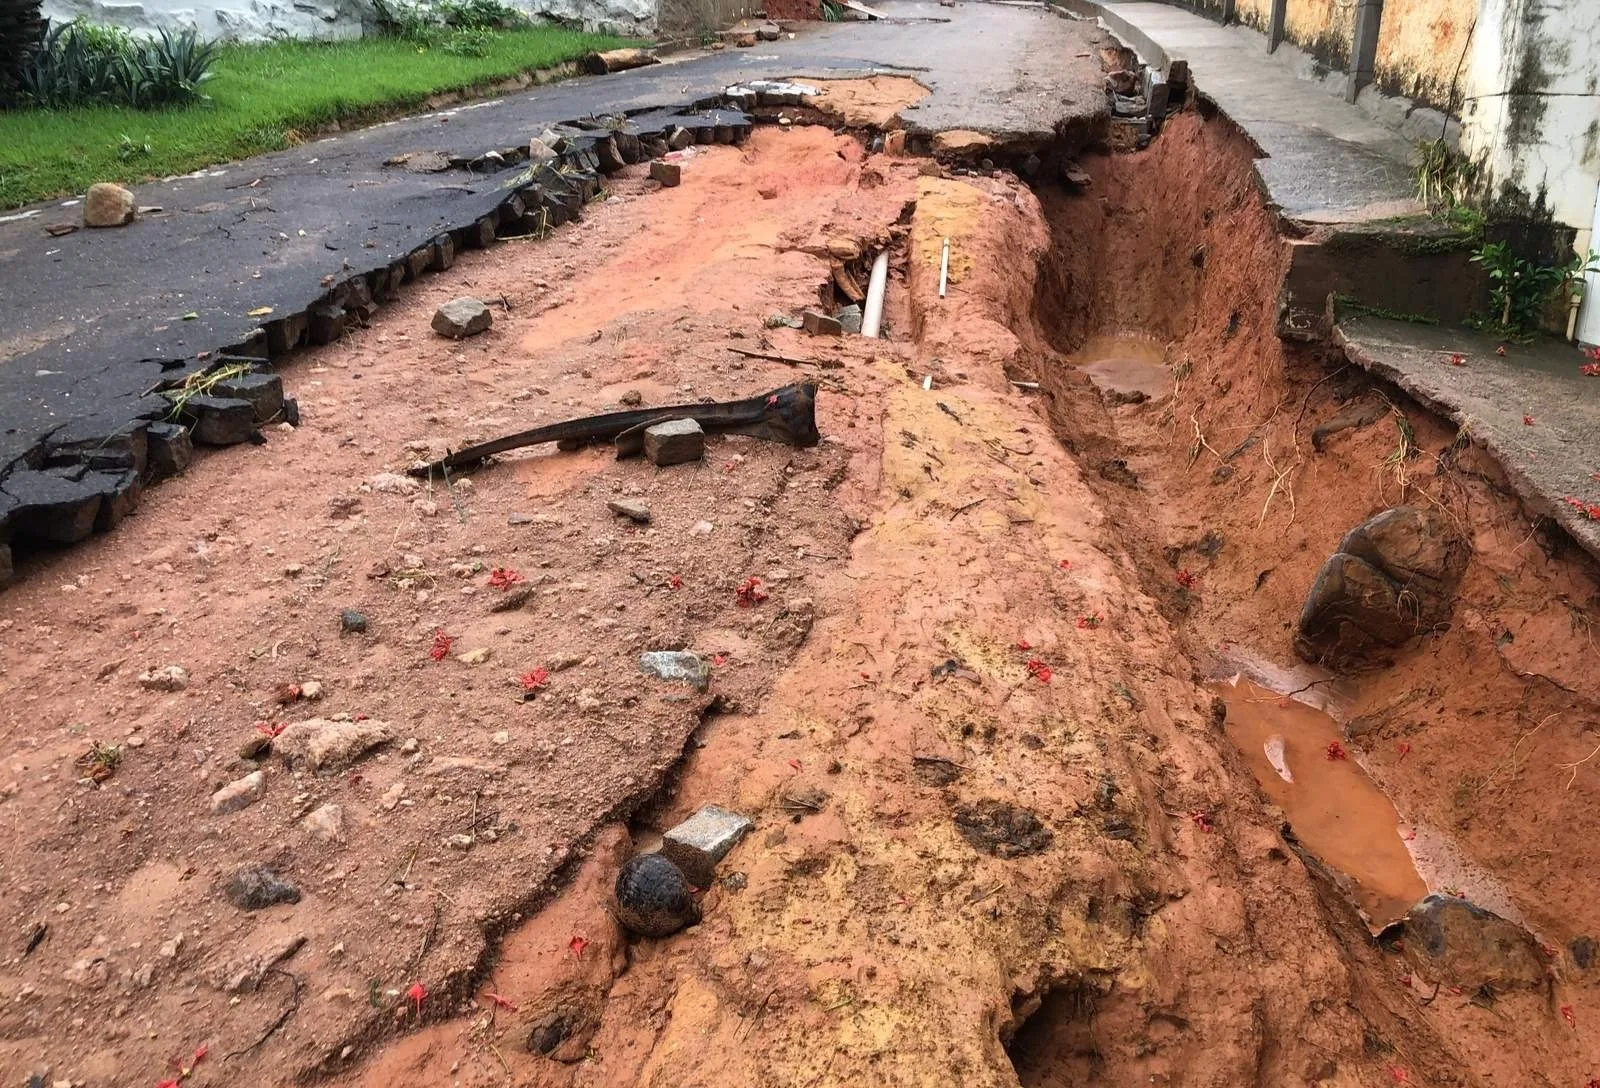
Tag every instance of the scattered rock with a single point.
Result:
(1461, 944)
(1392, 577)
(462, 317)
(392, 483)
(166, 678)
(676, 665)
(562, 1034)
(674, 442)
(474, 657)
(653, 897)
(702, 528)
(632, 509)
(1002, 829)
(392, 797)
(169, 949)
(244, 974)
(352, 622)
(239, 793)
(325, 823)
(328, 745)
(220, 421)
(768, 32)
(311, 690)
(631, 398)
(108, 205)
(669, 174)
(704, 839)
(1117, 471)
(820, 324)
(259, 887)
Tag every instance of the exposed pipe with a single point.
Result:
(872, 314)
(944, 267)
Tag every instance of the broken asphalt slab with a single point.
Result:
(240, 258)
(1533, 408)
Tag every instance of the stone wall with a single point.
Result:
(265, 20)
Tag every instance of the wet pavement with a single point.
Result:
(91, 322)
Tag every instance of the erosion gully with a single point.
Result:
(1042, 792)
(1109, 471)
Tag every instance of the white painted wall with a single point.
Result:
(1554, 45)
(264, 20)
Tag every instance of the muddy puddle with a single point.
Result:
(1126, 365)
(1298, 755)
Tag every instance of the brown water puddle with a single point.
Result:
(1336, 811)
(1125, 364)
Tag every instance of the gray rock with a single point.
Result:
(61, 506)
(674, 442)
(443, 252)
(327, 323)
(632, 509)
(259, 887)
(108, 205)
(462, 317)
(820, 324)
(679, 666)
(220, 421)
(1460, 944)
(850, 320)
(680, 138)
(704, 839)
(768, 32)
(168, 449)
(166, 678)
(630, 398)
(352, 622)
(653, 897)
(263, 392)
(239, 794)
(669, 174)
(325, 823)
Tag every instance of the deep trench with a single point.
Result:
(1173, 246)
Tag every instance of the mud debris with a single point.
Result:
(654, 898)
(1002, 829)
(258, 888)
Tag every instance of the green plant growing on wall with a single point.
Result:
(1519, 289)
(1448, 183)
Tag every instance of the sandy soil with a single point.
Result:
(1002, 835)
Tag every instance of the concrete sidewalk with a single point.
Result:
(1324, 160)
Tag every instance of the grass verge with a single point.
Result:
(263, 98)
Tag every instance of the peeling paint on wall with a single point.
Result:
(1422, 49)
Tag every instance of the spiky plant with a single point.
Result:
(21, 30)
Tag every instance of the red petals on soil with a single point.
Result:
(503, 578)
(271, 729)
(795, 763)
(441, 645)
(1065, 564)
(1090, 622)
(1527, 421)
(1399, 1075)
(1186, 579)
(1404, 749)
(749, 593)
(1024, 644)
(674, 582)
(1201, 819)
(416, 995)
(1501, 350)
(720, 660)
(1336, 750)
(1457, 359)
(577, 945)
(1039, 670)
(1590, 510)
(536, 680)
(499, 1002)
(1592, 370)
(1569, 1016)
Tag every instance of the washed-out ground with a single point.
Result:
(1002, 833)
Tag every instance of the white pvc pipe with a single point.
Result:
(872, 314)
(944, 267)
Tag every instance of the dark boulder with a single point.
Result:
(259, 887)
(1458, 943)
(1392, 577)
(653, 897)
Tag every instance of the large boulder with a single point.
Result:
(1458, 943)
(1392, 577)
(108, 205)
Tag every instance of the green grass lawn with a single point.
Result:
(262, 98)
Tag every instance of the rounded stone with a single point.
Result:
(653, 897)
